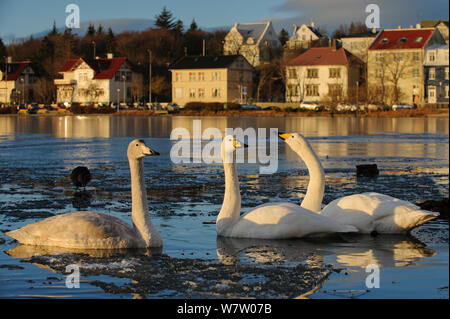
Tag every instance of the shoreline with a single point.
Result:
(443, 113)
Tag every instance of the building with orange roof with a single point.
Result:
(395, 72)
(321, 73)
(98, 81)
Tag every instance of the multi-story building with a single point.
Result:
(436, 74)
(255, 41)
(16, 82)
(322, 73)
(100, 80)
(395, 65)
(304, 36)
(226, 78)
(358, 44)
(441, 25)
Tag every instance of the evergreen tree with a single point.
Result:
(2, 49)
(90, 30)
(110, 41)
(283, 36)
(179, 28)
(99, 29)
(193, 26)
(165, 20)
(54, 30)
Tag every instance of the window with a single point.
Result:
(446, 91)
(292, 73)
(201, 76)
(178, 92)
(416, 73)
(431, 56)
(379, 57)
(431, 92)
(191, 92)
(128, 75)
(313, 73)
(403, 40)
(83, 77)
(384, 41)
(293, 90)
(334, 89)
(216, 76)
(416, 56)
(215, 92)
(379, 73)
(177, 76)
(191, 76)
(432, 74)
(398, 57)
(312, 90)
(446, 72)
(201, 92)
(335, 73)
(419, 39)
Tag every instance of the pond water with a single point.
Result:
(37, 154)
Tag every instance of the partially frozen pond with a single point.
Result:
(37, 154)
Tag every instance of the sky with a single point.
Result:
(21, 18)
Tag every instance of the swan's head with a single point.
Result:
(294, 140)
(137, 150)
(230, 144)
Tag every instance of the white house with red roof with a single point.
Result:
(395, 72)
(303, 36)
(16, 79)
(98, 81)
(322, 73)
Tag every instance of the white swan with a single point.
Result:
(369, 212)
(268, 221)
(88, 230)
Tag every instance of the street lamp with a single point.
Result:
(93, 42)
(124, 90)
(22, 80)
(149, 76)
(6, 80)
(118, 102)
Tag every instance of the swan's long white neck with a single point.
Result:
(139, 206)
(231, 207)
(316, 185)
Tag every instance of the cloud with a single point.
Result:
(332, 13)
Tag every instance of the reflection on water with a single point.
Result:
(112, 126)
(359, 251)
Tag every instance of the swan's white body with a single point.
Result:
(268, 221)
(381, 213)
(368, 211)
(89, 230)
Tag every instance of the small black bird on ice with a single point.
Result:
(80, 176)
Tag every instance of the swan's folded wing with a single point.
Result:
(77, 230)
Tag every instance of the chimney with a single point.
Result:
(329, 43)
(399, 27)
(418, 26)
(312, 24)
(109, 55)
(334, 45)
(374, 30)
(9, 59)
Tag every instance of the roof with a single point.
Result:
(204, 62)
(15, 69)
(366, 34)
(104, 68)
(432, 23)
(323, 56)
(252, 30)
(311, 28)
(402, 39)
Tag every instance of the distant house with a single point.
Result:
(441, 25)
(304, 36)
(395, 65)
(226, 78)
(358, 44)
(320, 73)
(100, 80)
(436, 74)
(16, 81)
(255, 41)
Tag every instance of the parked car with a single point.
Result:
(250, 107)
(396, 107)
(346, 107)
(33, 109)
(171, 107)
(310, 106)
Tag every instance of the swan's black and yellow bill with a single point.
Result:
(284, 136)
(237, 144)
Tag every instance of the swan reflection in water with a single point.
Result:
(387, 251)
